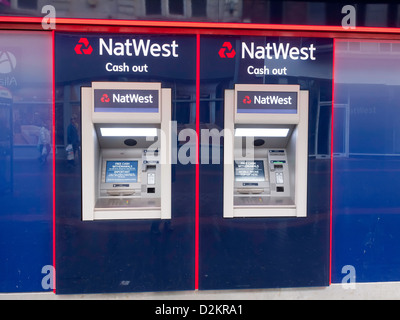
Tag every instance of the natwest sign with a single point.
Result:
(126, 100)
(266, 102)
(141, 47)
(278, 51)
(269, 51)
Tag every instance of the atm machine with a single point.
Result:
(265, 155)
(126, 171)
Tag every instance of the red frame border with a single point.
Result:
(197, 179)
(331, 165)
(54, 159)
(189, 27)
(195, 25)
(196, 28)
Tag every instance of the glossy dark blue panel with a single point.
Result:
(266, 252)
(25, 160)
(126, 255)
(366, 180)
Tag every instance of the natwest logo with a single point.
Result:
(83, 47)
(133, 47)
(246, 100)
(133, 98)
(146, 100)
(105, 98)
(278, 51)
(227, 51)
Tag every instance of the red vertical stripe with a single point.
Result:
(54, 163)
(197, 197)
(331, 182)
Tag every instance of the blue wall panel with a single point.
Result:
(243, 253)
(124, 255)
(366, 176)
(26, 191)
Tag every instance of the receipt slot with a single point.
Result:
(265, 160)
(126, 172)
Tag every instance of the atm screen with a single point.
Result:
(246, 170)
(121, 171)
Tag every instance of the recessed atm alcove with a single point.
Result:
(265, 161)
(126, 172)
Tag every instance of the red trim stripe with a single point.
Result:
(197, 201)
(332, 149)
(54, 163)
(201, 25)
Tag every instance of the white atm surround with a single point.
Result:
(92, 151)
(296, 145)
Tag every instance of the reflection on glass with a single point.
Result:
(366, 176)
(25, 159)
